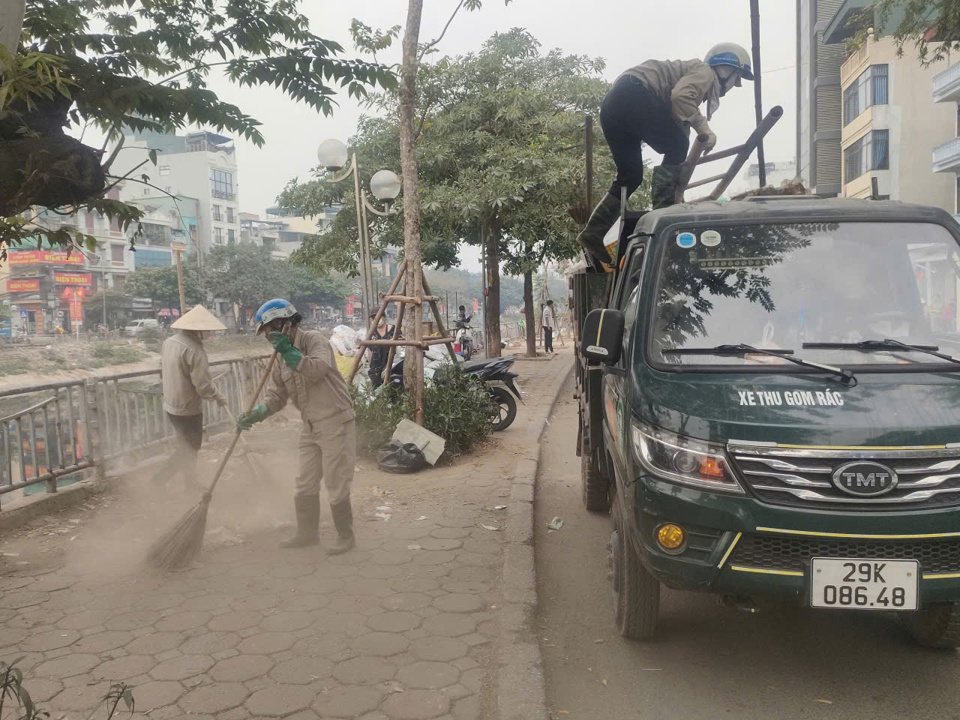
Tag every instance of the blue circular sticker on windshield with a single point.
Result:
(686, 240)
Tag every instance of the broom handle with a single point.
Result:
(236, 436)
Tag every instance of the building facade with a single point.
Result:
(890, 123)
(200, 167)
(818, 98)
(946, 155)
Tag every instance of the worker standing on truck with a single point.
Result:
(185, 378)
(306, 372)
(657, 103)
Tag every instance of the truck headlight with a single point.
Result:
(682, 460)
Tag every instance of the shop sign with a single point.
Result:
(23, 286)
(29, 257)
(72, 278)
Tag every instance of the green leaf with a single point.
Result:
(153, 156)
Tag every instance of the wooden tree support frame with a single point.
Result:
(418, 340)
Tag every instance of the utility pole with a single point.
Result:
(178, 255)
(757, 93)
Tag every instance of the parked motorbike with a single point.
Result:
(463, 335)
(495, 372)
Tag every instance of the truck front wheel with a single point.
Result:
(595, 484)
(935, 626)
(636, 593)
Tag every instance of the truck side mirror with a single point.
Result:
(601, 338)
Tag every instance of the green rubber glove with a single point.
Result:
(248, 420)
(281, 343)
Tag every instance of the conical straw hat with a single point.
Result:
(199, 319)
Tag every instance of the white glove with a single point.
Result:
(222, 401)
(711, 142)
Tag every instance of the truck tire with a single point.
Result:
(595, 485)
(935, 626)
(636, 593)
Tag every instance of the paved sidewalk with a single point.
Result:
(403, 628)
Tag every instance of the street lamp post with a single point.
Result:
(385, 185)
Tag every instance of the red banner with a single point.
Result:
(23, 285)
(27, 257)
(72, 278)
(476, 305)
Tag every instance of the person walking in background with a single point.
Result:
(306, 373)
(378, 357)
(549, 323)
(185, 378)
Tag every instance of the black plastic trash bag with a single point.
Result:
(397, 457)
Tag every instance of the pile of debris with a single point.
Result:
(787, 187)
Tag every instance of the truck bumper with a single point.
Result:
(737, 545)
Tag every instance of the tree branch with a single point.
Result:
(430, 45)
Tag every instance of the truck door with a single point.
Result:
(616, 401)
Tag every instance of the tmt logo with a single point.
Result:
(865, 479)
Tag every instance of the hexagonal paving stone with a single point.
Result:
(465, 586)
(266, 643)
(416, 705)
(478, 559)
(364, 671)
(390, 557)
(414, 584)
(236, 620)
(256, 602)
(445, 533)
(393, 621)
(428, 675)
(302, 670)
(435, 557)
(450, 624)
(467, 708)
(51, 640)
(66, 666)
(162, 601)
(178, 622)
(154, 643)
(81, 697)
(21, 599)
(367, 586)
(206, 603)
(103, 641)
(280, 700)
(182, 667)
(213, 698)
(458, 603)
(475, 574)
(132, 620)
(43, 689)
(84, 619)
(406, 601)
(433, 543)
(347, 702)
(441, 649)
(210, 643)
(365, 604)
(380, 644)
(124, 668)
(53, 582)
(380, 572)
(286, 621)
(241, 668)
(326, 645)
(304, 603)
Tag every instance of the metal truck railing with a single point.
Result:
(52, 431)
(740, 153)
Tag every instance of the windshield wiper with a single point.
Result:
(881, 345)
(845, 376)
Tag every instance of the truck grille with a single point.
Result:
(780, 552)
(800, 477)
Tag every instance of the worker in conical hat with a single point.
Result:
(185, 375)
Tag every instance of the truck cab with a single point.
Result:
(770, 405)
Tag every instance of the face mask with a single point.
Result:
(729, 78)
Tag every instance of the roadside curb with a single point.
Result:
(521, 694)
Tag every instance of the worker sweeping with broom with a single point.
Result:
(307, 374)
(657, 102)
(186, 381)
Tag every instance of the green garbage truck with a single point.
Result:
(769, 398)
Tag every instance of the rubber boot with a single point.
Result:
(604, 215)
(663, 186)
(343, 521)
(308, 522)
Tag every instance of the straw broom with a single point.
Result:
(182, 543)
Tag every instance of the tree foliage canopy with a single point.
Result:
(144, 64)
(500, 148)
(931, 26)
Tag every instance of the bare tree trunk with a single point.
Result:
(529, 317)
(491, 314)
(11, 23)
(413, 362)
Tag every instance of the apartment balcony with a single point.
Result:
(946, 85)
(946, 157)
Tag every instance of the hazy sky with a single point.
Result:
(623, 32)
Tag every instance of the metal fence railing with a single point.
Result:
(49, 433)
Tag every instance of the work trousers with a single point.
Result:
(328, 452)
(548, 339)
(189, 437)
(631, 115)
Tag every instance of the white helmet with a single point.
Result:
(733, 55)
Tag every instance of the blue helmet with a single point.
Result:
(733, 55)
(278, 308)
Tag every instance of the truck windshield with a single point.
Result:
(783, 286)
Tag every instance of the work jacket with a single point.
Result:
(185, 374)
(683, 85)
(316, 387)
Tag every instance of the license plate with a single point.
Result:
(860, 584)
